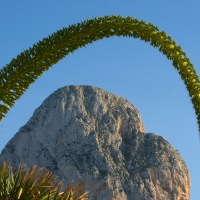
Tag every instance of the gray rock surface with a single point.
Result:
(84, 133)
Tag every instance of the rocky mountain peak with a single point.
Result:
(84, 133)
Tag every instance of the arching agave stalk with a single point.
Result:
(35, 184)
(23, 70)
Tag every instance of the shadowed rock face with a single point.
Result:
(84, 133)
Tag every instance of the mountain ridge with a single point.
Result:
(83, 133)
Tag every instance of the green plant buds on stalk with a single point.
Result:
(23, 70)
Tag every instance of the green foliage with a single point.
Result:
(35, 184)
(16, 76)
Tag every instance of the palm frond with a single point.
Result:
(36, 184)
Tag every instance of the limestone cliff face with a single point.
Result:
(84, 133)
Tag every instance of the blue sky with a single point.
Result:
(124, 66)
